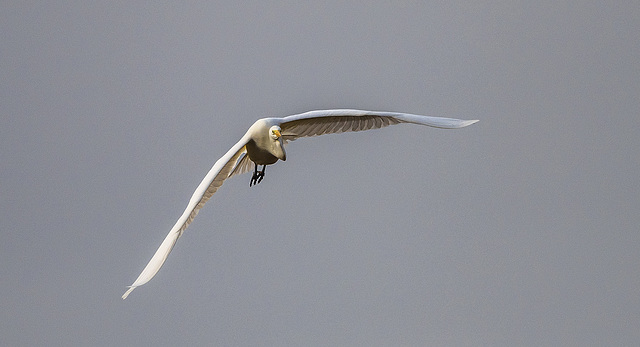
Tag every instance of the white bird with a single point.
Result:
(263, 144)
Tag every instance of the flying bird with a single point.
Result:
(263, 144)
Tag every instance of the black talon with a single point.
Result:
(257, 176)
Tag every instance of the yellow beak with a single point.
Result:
(277, 133)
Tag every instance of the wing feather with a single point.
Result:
(323, 122)
(244, 164)
(221, 170)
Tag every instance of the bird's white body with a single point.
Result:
(263, 144)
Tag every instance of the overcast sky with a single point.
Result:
(522, 229)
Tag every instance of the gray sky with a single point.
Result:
(519, 230)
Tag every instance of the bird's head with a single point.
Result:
(277, 142)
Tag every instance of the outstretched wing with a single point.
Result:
(322, 122)
(220, 171)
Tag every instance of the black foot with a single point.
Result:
(257, 175)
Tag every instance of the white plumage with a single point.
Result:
(263, 144)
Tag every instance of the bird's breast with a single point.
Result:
(260, 155)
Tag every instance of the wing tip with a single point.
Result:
(131, 288)
(468, 122)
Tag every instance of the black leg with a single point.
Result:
(257, 176)
(254, 178)
(264, 167)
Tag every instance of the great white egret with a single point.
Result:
(263, 144)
